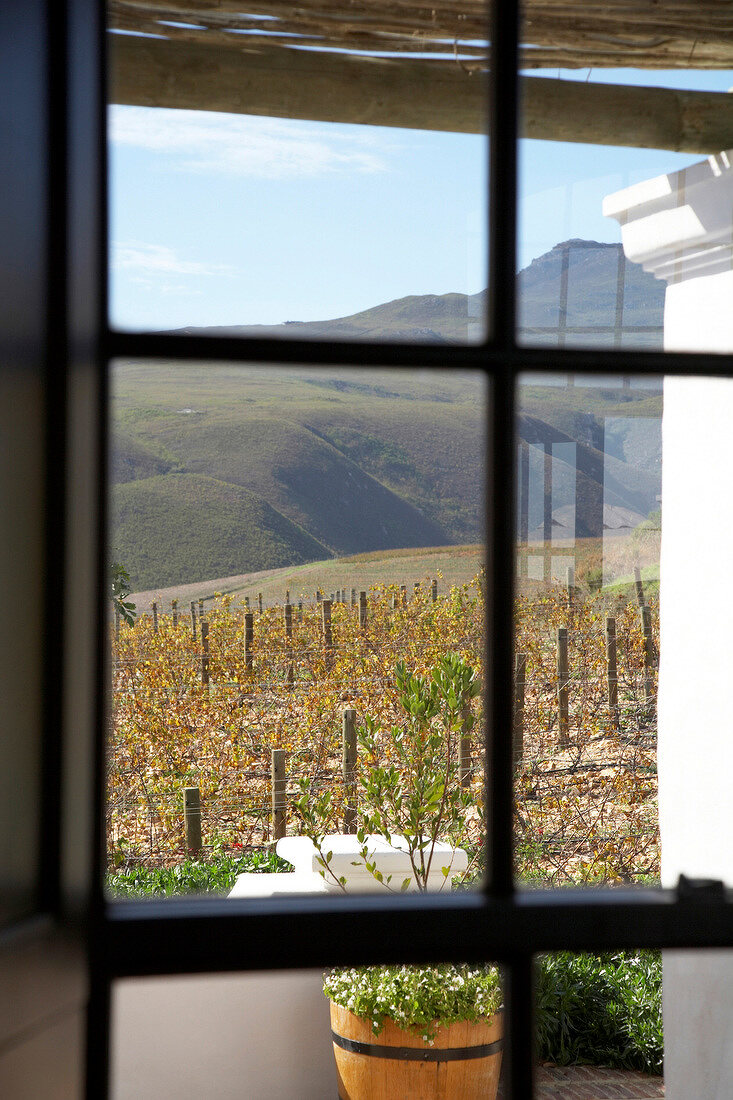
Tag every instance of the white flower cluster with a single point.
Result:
(418, 997)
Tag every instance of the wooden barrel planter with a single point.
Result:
(462, 1063)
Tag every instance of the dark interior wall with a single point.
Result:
(42, 966)
(22, 358)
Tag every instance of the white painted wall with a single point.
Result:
(264, 1036)
(696, 669)
(681, 227)
(696, 717)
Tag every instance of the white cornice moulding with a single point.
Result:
(679, 226)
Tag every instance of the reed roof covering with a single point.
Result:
(654, 34)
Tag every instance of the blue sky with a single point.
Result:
(231, 219)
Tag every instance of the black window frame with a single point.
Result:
(189, 936)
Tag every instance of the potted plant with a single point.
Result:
(410, 789)
(418, 1032)
(406, 1031)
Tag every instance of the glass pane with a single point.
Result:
(299, 174)
(587, 642)
(297, 638)
(206, 1035)
(619, 203)
(599, 1030)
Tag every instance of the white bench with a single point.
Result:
(347, 862)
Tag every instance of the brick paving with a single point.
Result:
(594, 1083)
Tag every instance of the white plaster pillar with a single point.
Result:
(680, 228)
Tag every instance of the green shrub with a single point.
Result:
(216, 876)
(601, 1010)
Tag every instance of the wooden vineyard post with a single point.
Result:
(464, 748)
(563, 685)
(403, 594)
(287, 595)
(319, 595)
(300, 611)
(612, 669)
(395, 602)
(363, 610)
(249, 631)
(205, 656)
(201, 610)
(639, 584)
(192, 821)
(279, 797)
(288, 613)
(174, 610)
(353, 597)
(348, 766)
(246, 603)
(434, 592)
(155, 617)
(327, 631)
(646, 626)
(416, 590)
(193, 620)
(259, 602)
(520, 681)
(570, 584)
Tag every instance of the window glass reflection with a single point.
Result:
(587, 630)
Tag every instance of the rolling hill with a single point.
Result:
(222, 469)
(184, 525)
(354, 460)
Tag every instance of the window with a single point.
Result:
(209, 937)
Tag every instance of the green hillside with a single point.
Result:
(303, 476)
(185, 525)
(224, 469)
(430, 318)
(359, 460)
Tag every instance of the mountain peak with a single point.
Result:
(592, 298)
(578, 242)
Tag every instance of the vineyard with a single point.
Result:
(202, 699)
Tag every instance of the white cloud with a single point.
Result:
(245, 145)
(147, 262)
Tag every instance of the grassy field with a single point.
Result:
(450, 565)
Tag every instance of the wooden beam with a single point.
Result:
(555, 33)
(304, 84)
(616, 114)
(415, 94)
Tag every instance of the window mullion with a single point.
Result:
(500, 506)
(502, 220)
(519, 1027)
